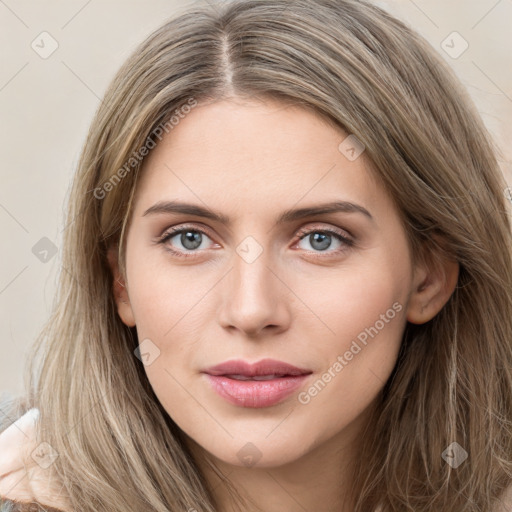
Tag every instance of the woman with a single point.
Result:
(287, 274)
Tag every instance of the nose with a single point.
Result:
(255, 299)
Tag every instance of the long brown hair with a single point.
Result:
(374, 77)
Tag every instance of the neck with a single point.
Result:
(316, 480)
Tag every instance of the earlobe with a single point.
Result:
(119, 289)
(432, 288)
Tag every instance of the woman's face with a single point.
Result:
(259, 277)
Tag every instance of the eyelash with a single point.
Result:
(302, 233)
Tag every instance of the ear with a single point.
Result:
(433, 283)
(119, 288)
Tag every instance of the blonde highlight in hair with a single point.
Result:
(370, 75)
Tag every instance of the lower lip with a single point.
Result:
(255, 393)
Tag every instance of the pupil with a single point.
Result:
(325, 241)
(191, 240)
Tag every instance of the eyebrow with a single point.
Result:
(287, 216)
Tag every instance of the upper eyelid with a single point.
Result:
(176, 229)
(170, 232)
(348, 243)
(329, 230)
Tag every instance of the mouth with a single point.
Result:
(262, 384)
(256, 377)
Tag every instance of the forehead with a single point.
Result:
(253, 155)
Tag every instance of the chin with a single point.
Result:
(253, 451)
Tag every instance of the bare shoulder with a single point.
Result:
(26, 476)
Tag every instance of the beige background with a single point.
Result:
(47, 104)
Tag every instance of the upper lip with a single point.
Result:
(260, 368)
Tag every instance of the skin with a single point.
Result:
(251, 160)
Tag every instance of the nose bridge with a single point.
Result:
(252, 282)
(253, 296)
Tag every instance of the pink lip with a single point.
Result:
(255, 393)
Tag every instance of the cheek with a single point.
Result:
(368, 322)
(357, 363)
(364, 308)
(353, 357)
(350, 299)
(163, 294)
(171, 310)
(172, 301)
